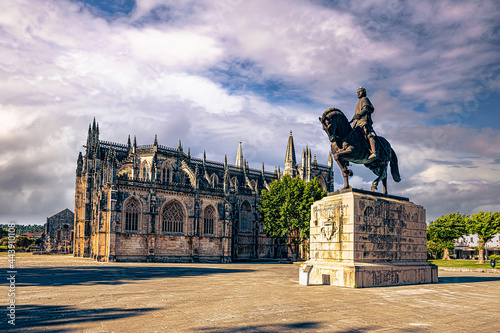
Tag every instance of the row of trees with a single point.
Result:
(21, 228)
(443, 232)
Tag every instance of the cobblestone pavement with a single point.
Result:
(66, 294)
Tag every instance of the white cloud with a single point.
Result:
(200, 73)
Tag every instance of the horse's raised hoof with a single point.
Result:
(349, 173)
(374, 188)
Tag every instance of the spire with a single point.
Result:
(189, 152)
(135, 145)
(79, 165)
(315, 161)
(290, 151)
(156, 140)
(290, 160)
(225, 161)
(239, 156)
(262, 170)
(179, 147)
(227, 184)
(129, 145)
(93, 125)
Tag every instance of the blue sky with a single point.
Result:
(212, 73)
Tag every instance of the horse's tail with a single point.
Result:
(395, 167)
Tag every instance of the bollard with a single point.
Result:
(492, 263)
(304, 275)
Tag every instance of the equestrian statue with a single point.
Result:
(359, 144)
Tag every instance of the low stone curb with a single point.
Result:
(463, 269)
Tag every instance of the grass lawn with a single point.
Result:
(462, 263)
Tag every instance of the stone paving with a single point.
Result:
(66, 294)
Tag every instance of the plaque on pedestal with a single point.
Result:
(366, 239)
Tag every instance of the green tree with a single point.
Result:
(435, 249)
(486, 226)
(285, 210)
(445, 230)
(23, 242)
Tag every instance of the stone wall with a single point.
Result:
(58, 232)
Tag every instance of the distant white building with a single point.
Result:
(466, 246)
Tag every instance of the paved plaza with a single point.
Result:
(67, 294)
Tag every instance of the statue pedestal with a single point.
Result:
(365, 239)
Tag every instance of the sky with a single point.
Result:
(212, 73)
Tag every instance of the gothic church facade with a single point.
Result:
(156, 203)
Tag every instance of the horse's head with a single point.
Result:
(335, 124)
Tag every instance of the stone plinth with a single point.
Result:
(365, 239)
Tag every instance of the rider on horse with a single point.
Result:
(363, 119)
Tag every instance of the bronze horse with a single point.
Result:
(349, 145)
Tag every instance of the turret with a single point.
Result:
(79, 165)
(239, 156)
(290, 160)
(227, 184)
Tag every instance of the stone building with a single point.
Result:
(156, 203)
(58, 233)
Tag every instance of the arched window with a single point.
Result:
(172, 217)
(145, 171)
(208, 221)
(234, 182)
(246, 216)
(215, 180)
(322, 182)
(165, 175)
(132, 209)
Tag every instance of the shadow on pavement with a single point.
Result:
(49, 318)
(467, 279)
(264, 328)
(60, 276)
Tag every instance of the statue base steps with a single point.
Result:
(362, 275)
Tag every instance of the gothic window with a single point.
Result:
(246, 216)
(208, 221)
(322, 182)
(166, 175)
(215, 180)
(132, 209)
(172, 217)
(145, 170)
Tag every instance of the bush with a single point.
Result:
(495, 257)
